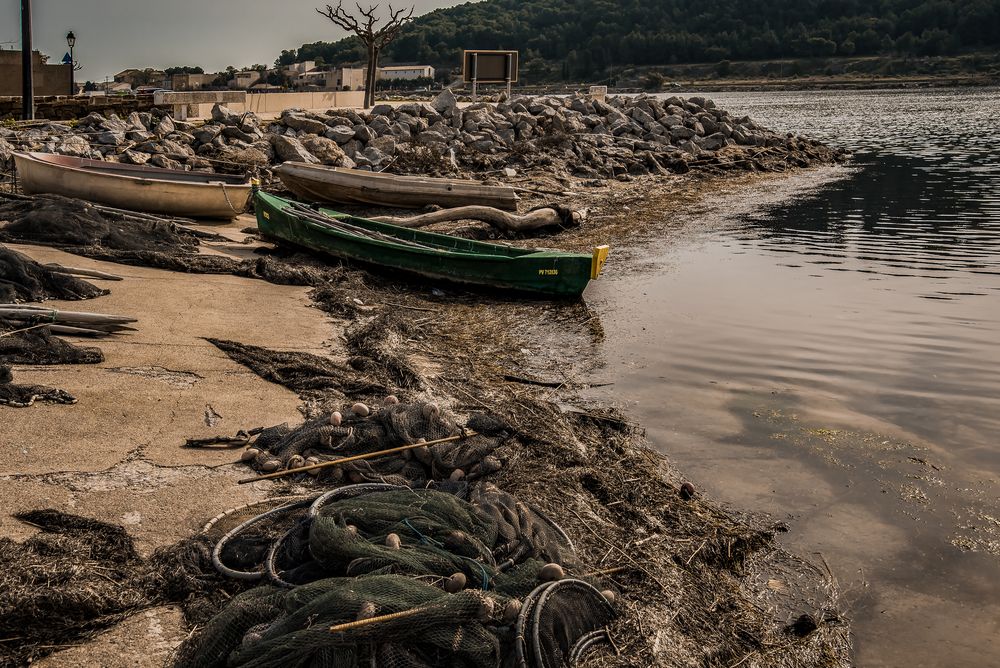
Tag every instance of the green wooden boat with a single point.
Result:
(437, 256)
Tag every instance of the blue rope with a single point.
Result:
(422, 537)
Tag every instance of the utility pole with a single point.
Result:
(27, 73)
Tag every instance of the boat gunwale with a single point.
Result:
(119, 171)
(437, 239)
(406, 178)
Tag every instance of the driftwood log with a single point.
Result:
(549, 216)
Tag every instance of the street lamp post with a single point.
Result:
(27, 78)
(71, 41)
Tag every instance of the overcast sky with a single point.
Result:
(115, 34)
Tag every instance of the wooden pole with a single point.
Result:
(350, 626)
(367, 455)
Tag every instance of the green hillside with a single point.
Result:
(585, 38)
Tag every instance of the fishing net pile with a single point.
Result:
(140, 239)
(24, 280)
(31, 343)
(452, 452)
(408, 578)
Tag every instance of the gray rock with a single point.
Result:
(182, 137)
(326, 151)
(115, 124)
(363, 133)
(109, 138)
(643, 117)
(176, 148)
(336, 120)
(73, 145)
(222, 114)
(382, 110)
(671, 120)
(303, 123)
(146, 119)
(135, 121)
(150, 147)
(340, 134)
(291, 149)
(206, 133)
(386, 144)
(139, 135)
(381, 125)
(430, 137)
(135, 158)
(445, 103)
(233, 132)
(93, 119)
(164, 127)
(714, 142)
(375, 156)
(165, 162)
(353, 148)
(680, 133)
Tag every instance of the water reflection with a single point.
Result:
(873, 300)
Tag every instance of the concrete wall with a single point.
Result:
(48, 79)
(272, 104)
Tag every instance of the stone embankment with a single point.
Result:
(575, 136)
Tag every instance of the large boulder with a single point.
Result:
(222, 114)
(165, 162)
(714, 142)
(445, 103)
(386, 144)
(340, 133)
(206, 133)
(73, 145)
(327, 151)
(363, 133)
(289, 149)
(135, 158)
(165, 127)
(109, 138)
(382, 110)
(303, 123)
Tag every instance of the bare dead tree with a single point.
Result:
(375, 37)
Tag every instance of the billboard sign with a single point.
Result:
(490, 67)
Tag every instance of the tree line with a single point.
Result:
(587, 38)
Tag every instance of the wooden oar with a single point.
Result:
(367, 455)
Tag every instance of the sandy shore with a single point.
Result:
(164, 383)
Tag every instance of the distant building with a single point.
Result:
(48, 79)
(245, 79)
(191, 81)
(345, 78)
(295, 70)
(406, 72)
(147, 77)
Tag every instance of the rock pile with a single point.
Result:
(576, 135)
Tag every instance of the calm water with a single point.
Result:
(827, 349)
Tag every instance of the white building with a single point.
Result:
(406, 72)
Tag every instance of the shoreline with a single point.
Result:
(686, 570)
